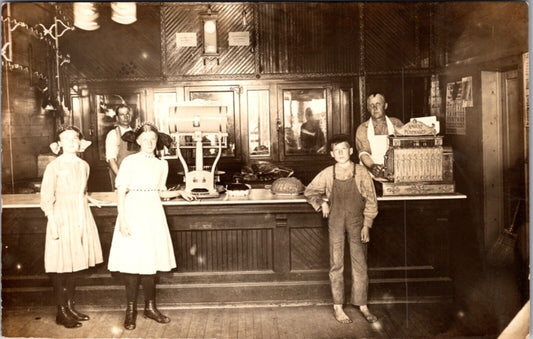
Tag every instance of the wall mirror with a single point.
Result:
(305, 121)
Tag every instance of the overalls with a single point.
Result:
(122, 153)
(346, 215)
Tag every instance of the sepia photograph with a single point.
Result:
(265, 169)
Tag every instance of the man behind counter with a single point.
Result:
(116, 149)
(371, 136)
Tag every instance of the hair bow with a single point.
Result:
(55, 147)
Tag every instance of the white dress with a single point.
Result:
(149, 247)
(63, 193)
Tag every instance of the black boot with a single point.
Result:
(131, 316)
(74, 313)
(150, 311)
(63, 318)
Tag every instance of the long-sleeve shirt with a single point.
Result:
(380, 128)
(321, 186)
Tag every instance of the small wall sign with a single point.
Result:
(239, 38)
(186, 39)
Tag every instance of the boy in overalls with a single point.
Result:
(345, 193)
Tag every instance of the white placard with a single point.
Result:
(187, 39)
(239, 38)
(525, 63)
(466, 83)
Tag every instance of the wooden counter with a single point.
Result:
(263, 248)
(256, 196)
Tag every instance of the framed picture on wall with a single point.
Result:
(106, 119)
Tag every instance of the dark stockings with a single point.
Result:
(64, 286)
(132, 286)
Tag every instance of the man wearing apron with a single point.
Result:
(371, 136)
(345, 194)
(116, 149)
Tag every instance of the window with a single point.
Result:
(258, 123)
(224, 96)
(162, 102)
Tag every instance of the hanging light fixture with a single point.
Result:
(124, 12)
(85, 16)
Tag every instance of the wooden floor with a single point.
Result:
(308, 321)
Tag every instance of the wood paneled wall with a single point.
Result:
(311, 38)
(186, 61)
(286, 38)
(396, 36)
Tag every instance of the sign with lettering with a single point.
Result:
(239, 38)
(415, 128)
(186, 39)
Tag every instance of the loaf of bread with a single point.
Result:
(287, 186)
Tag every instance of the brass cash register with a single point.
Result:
(417, 163)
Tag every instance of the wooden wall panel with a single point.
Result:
(390, 31)
(223, 250)
(310, 38)
(309, 248)
(183, 18)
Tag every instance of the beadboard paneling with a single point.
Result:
(181, 18)
(308, 38)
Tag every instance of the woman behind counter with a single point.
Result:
(141, 243)
(72, 242)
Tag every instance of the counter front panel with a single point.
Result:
(264, 248)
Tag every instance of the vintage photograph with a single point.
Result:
(265, 169)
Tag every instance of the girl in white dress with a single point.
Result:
(141, 243)
(72, 242)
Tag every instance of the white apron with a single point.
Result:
(378, 143)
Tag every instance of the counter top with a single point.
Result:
(256, 196)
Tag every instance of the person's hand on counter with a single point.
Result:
(95, 202)
(170, 194)
(187, 196)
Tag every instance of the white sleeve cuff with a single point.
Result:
(362, 153)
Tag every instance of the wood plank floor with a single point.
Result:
(311, 321)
